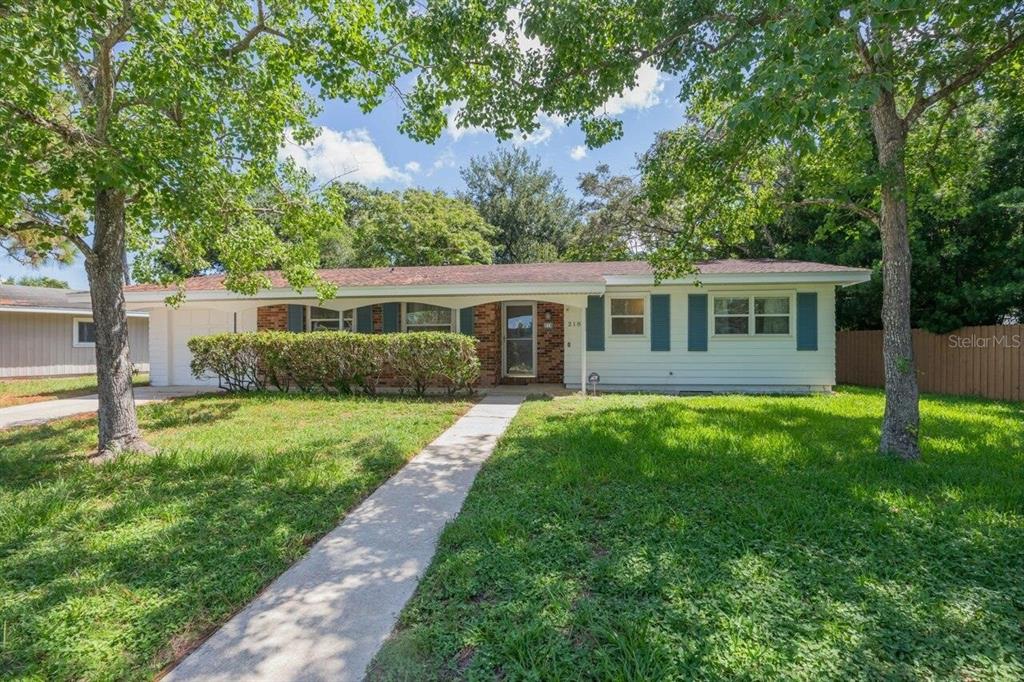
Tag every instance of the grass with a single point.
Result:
(635, 538)
(113, 572)
(32, 390)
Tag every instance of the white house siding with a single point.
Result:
(42, 344)
(747, 363)
(739, 363)
(170, 330)
(159, 339)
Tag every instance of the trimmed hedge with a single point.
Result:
(336, 362)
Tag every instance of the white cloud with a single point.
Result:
(445, 160)
(547, 127)
(578, 152)
(413, 166)
(348, 155)
(548, 124)
(645, 94)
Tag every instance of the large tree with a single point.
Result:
(154, 128)
(618, 221)
(760, 80)
(532, 214)
(417, 227)
(966, 228)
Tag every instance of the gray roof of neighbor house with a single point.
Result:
(531, 273)
(15, 296)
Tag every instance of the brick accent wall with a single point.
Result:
(272, 318)
(550, 344)
(487, 327)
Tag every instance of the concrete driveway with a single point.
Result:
(38, 413)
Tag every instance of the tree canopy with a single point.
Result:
(533, 216)
(618, 221)
(155, 128)
(417, 227)
(36, 281)
(765, 84)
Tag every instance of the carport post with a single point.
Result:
(583, 351)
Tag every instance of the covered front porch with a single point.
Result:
(520, 339)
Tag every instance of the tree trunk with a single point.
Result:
(902, 418)
(105, 266)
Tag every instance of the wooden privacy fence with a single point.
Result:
(984, 361)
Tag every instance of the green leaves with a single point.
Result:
(526, 203)
(417, 227)
(183, 107)
(766, 84)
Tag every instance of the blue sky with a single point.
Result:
(368, 148)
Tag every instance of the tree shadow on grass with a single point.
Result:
(676, 538)
(162, 548)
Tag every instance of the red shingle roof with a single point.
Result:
(535, 273)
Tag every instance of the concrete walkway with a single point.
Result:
(326, 616)
(48, 410)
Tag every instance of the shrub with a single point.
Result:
(336, 362)
(234, 358)
(441, 359)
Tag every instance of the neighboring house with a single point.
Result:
(750, 325)
(43, 332)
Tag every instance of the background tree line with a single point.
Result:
(967, 241)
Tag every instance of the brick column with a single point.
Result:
(550, 343)
(487, 327)
(272, 318)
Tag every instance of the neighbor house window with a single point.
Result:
(85, 333)
(745, 315)
(627, 316)
(423, 317)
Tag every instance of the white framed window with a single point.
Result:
(323, 319)
(84, 333)
(423, 317)
(771, 315)
(732, 315)
(752, 315)
(627, 315)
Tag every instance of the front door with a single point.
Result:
(519, 339)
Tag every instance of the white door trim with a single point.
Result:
(504, 344)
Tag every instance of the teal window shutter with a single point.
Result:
(807, 321)
(697, 318)
(364, 319)
(661, 334)
(466, 321)
(391, 312)
(595, 322)
(296, 318)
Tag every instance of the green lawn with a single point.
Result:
(730, 538)
(21, 391)
(112, 572)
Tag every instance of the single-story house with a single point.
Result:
(48, 332)
(737, 325)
